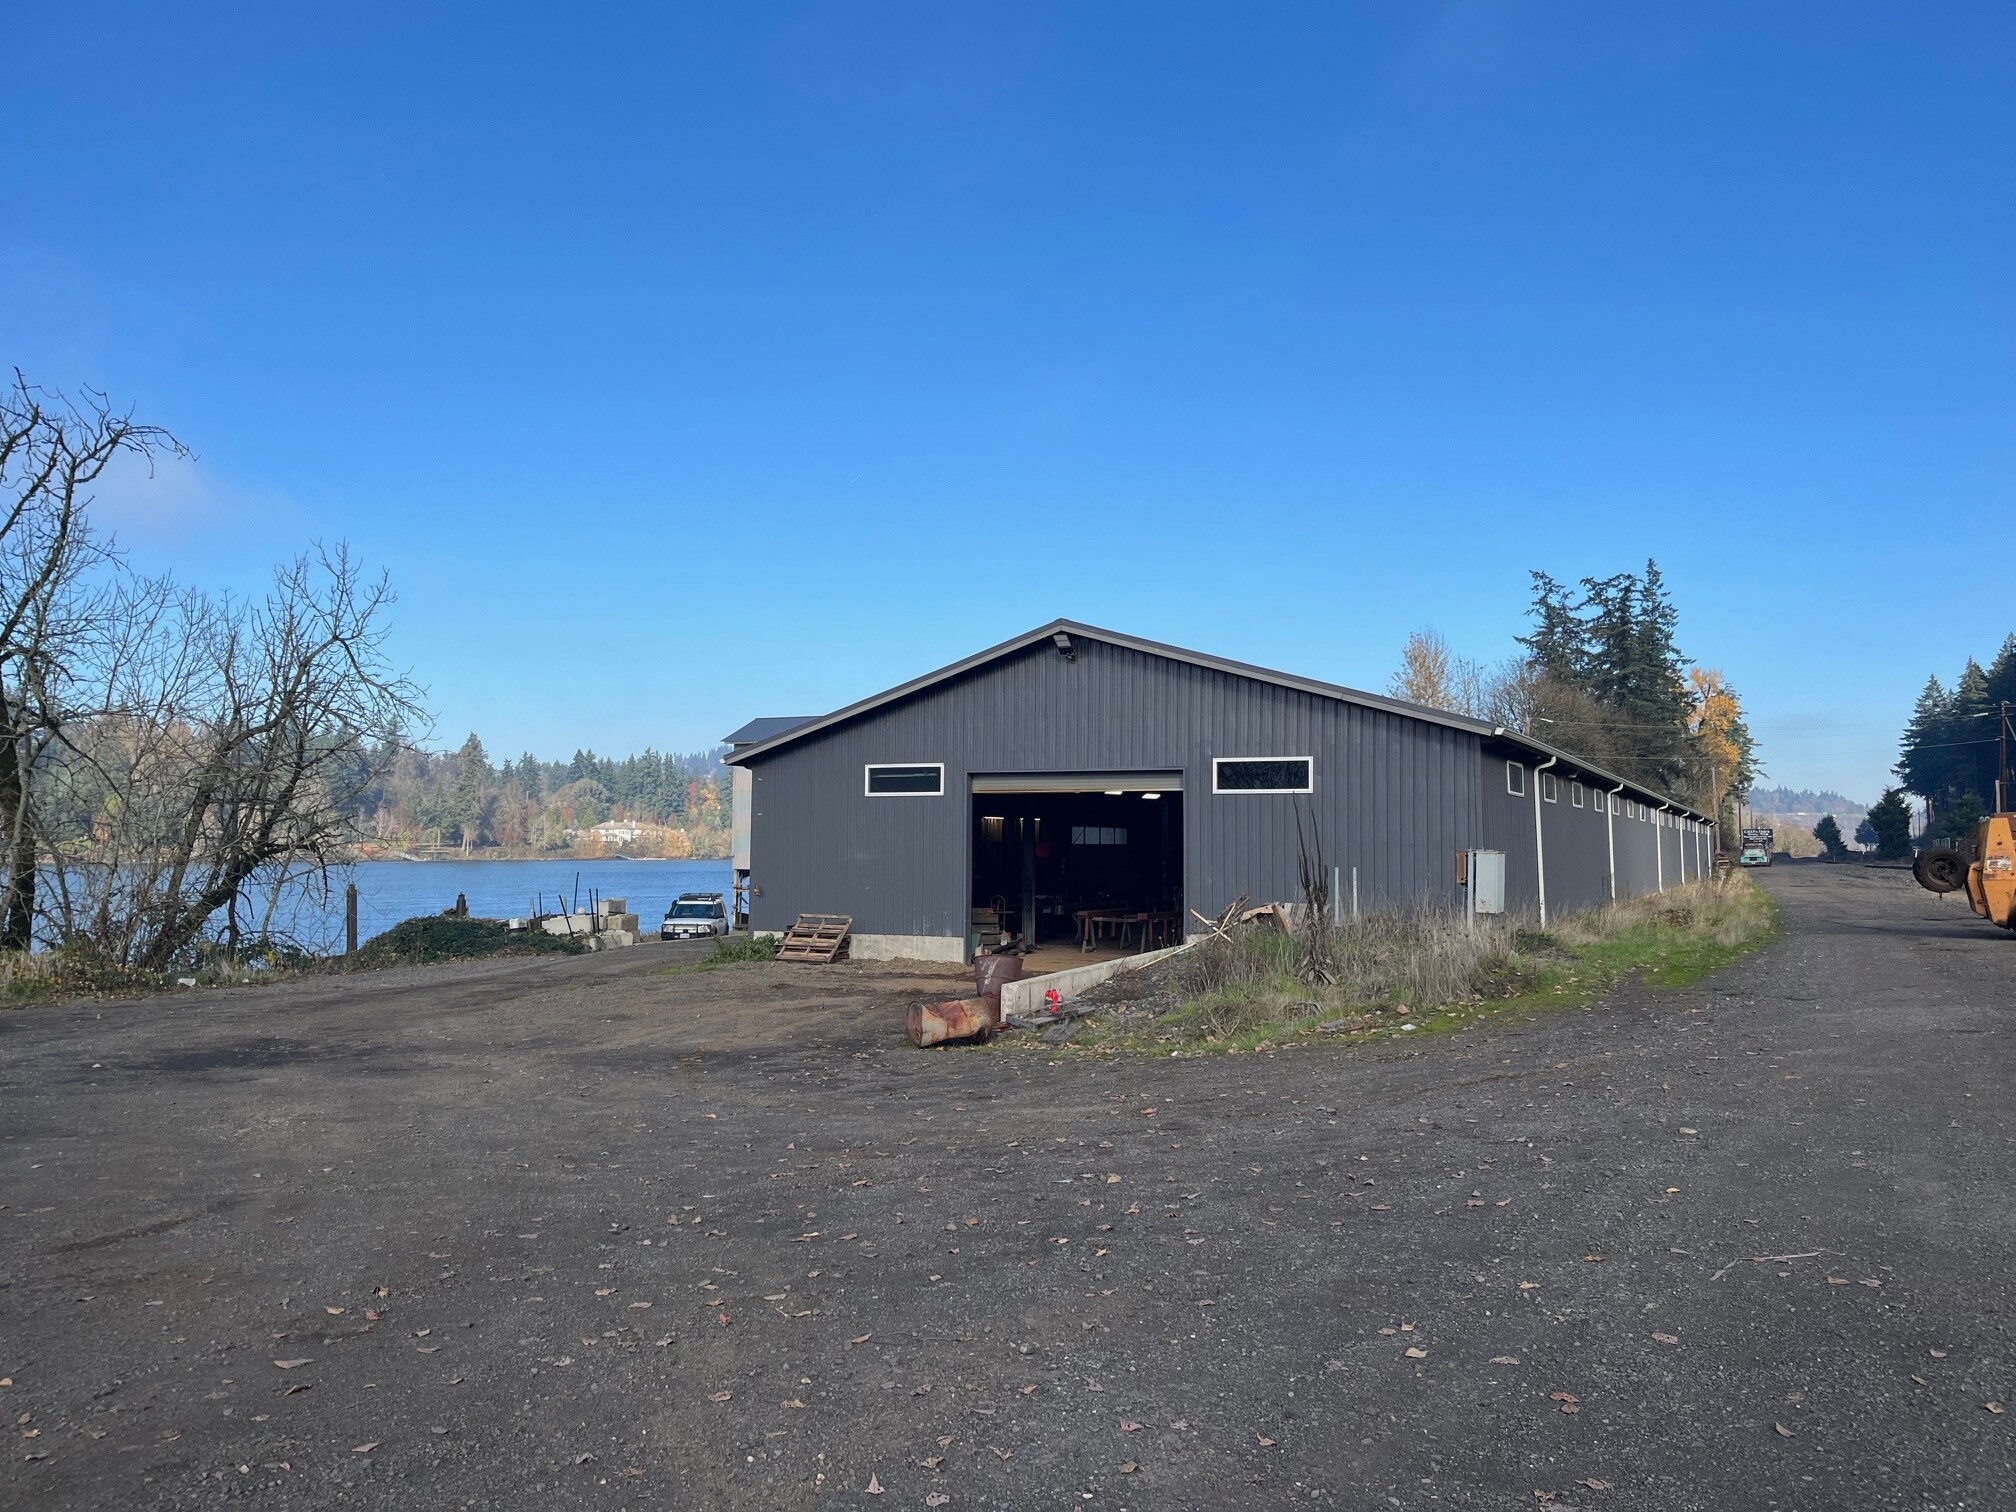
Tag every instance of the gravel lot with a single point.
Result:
(592, 1233)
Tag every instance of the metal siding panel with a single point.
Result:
(899, 865)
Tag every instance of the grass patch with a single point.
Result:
(1429, 972)
(442, 937)
(53, 976)
(735, 949)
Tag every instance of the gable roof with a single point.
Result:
(763, 745)
(767, 728)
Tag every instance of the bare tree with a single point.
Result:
(1317, 966)
(1431, 674)
(234, 741)
(54, 589)
(1423, 677)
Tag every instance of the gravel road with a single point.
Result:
(592, 1233)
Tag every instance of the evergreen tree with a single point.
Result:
(472, 786)
(1962, 815)
(1610, 625)
(2001, 675)
(1924, 764)
(1972, 749)
(1890, 817)
(1828, 833)
(1559, 645)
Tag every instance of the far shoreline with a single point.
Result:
(578, 860)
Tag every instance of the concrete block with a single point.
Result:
(607, 907)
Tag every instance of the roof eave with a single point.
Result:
(1583, 764)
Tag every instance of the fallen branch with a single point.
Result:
(1766, 1260)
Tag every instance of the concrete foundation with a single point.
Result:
(1026, 995)
(883, 947)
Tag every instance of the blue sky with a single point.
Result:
(688, 364)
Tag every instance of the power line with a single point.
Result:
(1951, 744)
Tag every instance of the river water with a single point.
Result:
(388, 891)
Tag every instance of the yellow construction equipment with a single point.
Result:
(1989, 875)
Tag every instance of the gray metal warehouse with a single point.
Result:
(1075, 774)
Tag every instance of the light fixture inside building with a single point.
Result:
(1116, 792)
(1151, 795)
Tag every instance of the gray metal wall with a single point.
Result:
(1637, 863)
(1394, 797)
(1577, 843)
(1578, 856)
(1508, 826)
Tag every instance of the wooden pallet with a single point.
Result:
(818, 939)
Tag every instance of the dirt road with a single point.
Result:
(582, 1233)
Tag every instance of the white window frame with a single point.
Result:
(868, 777)
(1217, 761)
(1518, 791)
(1550, 790)
(1575, 793)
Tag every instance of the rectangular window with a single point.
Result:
(1575, 795)
(1262, 774)
(922, 780)
(1098, 834)
(1550, 790)
(1515, 779)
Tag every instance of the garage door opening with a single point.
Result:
(1077, 868)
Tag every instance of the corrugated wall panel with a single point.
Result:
(1394, 797)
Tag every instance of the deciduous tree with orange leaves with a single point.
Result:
(1723, 752)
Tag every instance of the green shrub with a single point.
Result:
(442, 937)
(736, 948)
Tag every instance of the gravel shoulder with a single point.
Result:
(602, 1232)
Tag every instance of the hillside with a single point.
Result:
(1803, 806)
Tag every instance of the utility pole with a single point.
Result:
(2002, 760)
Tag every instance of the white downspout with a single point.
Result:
(1540, 839)
(1659, 839)
(1610, 832)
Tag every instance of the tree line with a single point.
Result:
(1950, 751)
(1600, 674)
(528, 805)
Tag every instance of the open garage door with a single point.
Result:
(1077, 865)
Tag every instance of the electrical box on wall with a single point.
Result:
(1486, 872)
